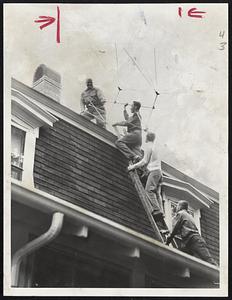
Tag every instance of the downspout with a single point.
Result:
(45, 238)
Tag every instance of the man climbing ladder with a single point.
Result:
(153, 163)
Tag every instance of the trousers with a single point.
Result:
(197, 246)
(130, 144)
(99, 115)
(152, 189)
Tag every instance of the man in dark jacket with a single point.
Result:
(184, 225)
(130, 143)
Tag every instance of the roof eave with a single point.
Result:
(48, 203)
(188, 188)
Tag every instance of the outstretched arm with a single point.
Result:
(144, 161)
(125, 113)
(123, 123)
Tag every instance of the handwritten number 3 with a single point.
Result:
(222, 45)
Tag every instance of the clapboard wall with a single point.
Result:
(79, 168)
(210, 228)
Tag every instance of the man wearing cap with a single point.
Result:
(130, 143)
(184, 225)
(152, 162)
(92, 104)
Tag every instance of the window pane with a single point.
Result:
(17, 152)
(16, 173)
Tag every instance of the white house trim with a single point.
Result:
(29, 117)
(188, 188)
(37, 115)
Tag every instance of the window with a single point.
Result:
(17, 152)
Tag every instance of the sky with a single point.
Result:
(179, 57)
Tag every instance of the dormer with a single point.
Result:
(26, 120)
(174, 190)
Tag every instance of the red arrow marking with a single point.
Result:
(193, 13)
(45, 20)
(49, 21)
(47, 17)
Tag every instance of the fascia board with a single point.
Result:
(201, 203)
(188, 188)
(174, 173)
(36, 111)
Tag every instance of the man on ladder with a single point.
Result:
(92, 104)
(130, 143)
(153, 163)
(192, 242)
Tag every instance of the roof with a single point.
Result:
(108, 137)
(77, 161)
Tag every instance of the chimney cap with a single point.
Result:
(43, 70)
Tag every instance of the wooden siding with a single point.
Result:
(210, 229)
(79, 168)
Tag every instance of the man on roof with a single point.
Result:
(130, 143)
(153, 164)
(92, 104)
(185, 227)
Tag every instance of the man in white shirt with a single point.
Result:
(153, 163)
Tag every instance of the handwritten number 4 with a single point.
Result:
(222, 33)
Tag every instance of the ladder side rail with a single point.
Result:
(143, 198)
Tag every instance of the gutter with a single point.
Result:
(78, 215)
(47, 237)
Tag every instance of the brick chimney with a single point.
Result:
(47, 82)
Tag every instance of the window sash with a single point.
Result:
(17, 152)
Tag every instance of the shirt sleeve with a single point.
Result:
(145, 160)
(134, 119)
(177, 221)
